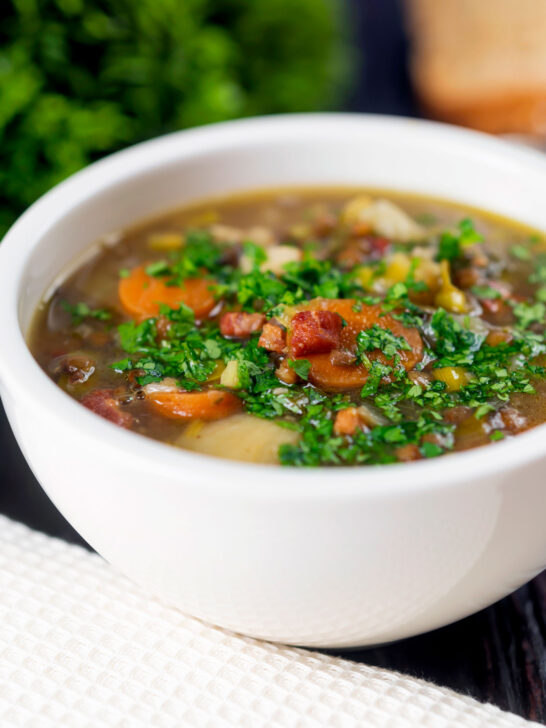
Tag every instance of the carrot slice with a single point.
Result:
(140, 294)
(338, 377)
(213, 404)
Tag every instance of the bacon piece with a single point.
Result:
(162, 326)
(348, 421)
(457, 414)
(467, 277)
(241, 325)
(369, 247)
(379, 246)
(508, 418)
(353, 253)
(498, 337)
(314, 332)
(273, 338)
(103, 403)
(324, 224)
(407, 453)
(496, 308)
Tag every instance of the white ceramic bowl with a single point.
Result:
(331, 558)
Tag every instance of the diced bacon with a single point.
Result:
(241, 325)
(162, 326)
(457, 414)
(467, 277)
(494, 306)
(379, 246)
(314, 332)
(348, 421)
(273, 338)
(324, 224)
(496, 337)
(361, 249)
(435, 438)
(407, 453)
(508, 418)
(104, 403)
(354, 253)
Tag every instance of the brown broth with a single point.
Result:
(53, 336)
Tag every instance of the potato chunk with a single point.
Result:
(240, 437)
(383, 217)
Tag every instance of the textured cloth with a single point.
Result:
(81, 646)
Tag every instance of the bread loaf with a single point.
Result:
(481, 63)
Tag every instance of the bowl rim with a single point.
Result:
(21, 375)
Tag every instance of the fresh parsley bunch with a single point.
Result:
(82, 78)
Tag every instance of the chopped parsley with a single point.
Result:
(520, 252)
(529, 313)
(485, 292)
(383, 340)
(302, 367)
(81, 311)
(452, 244)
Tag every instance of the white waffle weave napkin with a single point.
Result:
(82, 647)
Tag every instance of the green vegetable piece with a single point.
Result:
(302, 367)
(451, 245)
(520, 252)
(81, 311)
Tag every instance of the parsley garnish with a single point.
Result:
(378, 338)
(451, 244)
(486, 292)
(81, 311)
(520, 252)
(302, 367)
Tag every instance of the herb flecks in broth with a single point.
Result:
(367, 334)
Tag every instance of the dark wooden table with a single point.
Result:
(497, 655)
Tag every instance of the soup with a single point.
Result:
(307, 327)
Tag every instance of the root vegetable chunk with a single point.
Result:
(213, 404)
(240, 437)
(140, 294)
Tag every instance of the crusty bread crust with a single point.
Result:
(481, 63)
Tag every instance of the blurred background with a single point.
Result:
(82, 78)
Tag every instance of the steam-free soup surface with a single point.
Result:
(307, 328)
